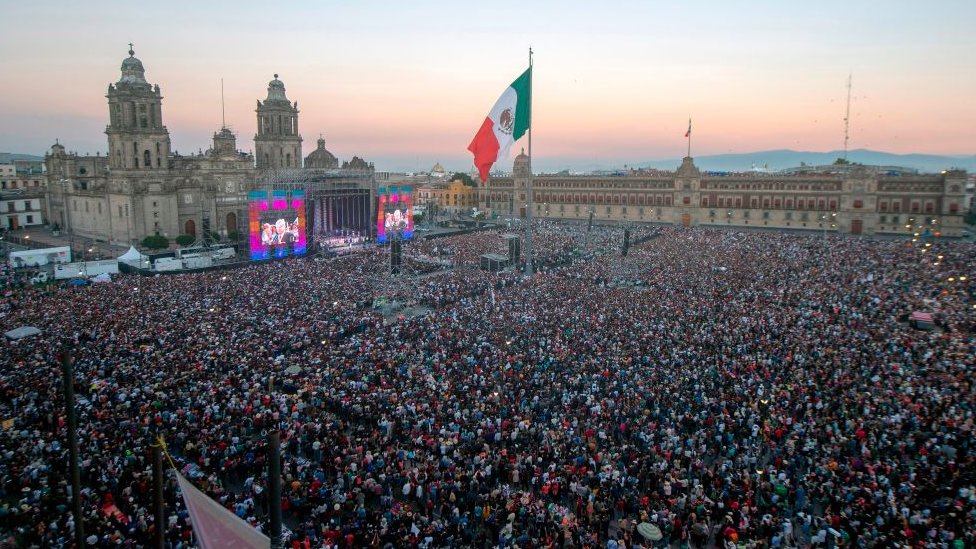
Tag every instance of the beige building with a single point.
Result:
(859, 200)
(453, 196)
(145, 187)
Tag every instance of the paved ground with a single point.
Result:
(40, 237)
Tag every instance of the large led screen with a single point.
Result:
(276, 223)
(394, 214)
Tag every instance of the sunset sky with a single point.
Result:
(406, 84)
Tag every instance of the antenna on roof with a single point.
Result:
(223, 116)
(847, 117)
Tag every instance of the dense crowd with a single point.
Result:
(752, 390)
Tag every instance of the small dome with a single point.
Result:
(321, 158)
(132, 70)
(522, 157)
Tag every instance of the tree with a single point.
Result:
(185, 240)
(464, 178)
(155, 242)
(233, 235)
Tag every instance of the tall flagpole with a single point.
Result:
(688, 135)
(528, 213)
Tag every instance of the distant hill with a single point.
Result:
(8, 158)
(783, 159)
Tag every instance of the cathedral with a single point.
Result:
(143, 188)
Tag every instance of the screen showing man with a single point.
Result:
(395, 214)
(279, 232)
(277, 223)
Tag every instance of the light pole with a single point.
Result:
(824, 224)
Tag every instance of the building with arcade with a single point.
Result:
(853, 199)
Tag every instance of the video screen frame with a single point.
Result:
(277, 223)
(393, 201)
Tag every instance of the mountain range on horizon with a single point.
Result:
(783, 159)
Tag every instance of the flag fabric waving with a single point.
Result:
(505, 124)
(688, 133)
(214, 526)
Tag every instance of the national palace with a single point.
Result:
(856, 200)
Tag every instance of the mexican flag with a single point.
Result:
(505, 124)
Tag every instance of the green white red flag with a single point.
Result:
(504, 125)
(216, 527)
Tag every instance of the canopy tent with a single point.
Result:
(22, 332)
(133, 256)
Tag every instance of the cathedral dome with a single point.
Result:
(321, 158)
(132, 70)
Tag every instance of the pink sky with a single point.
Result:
(406, 85)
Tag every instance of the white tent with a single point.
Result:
(22, 332)
(133, 257)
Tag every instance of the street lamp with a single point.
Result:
(824, 224)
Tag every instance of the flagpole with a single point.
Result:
(274, 487)
(528, 213)
(67, 371)
(159, 510)
(689, 137)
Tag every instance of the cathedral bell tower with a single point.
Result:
(277, 143)
(137, 138)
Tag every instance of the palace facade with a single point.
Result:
(858, 201)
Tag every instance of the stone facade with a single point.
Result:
(277, 143)
(321, 158)
(860, 200)
(142, 187)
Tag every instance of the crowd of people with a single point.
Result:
(749, 390)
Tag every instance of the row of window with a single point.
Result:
(915, 206)
(19, 184)
(632, 200)
(771, 203)
(12, 206)
(775, 203)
